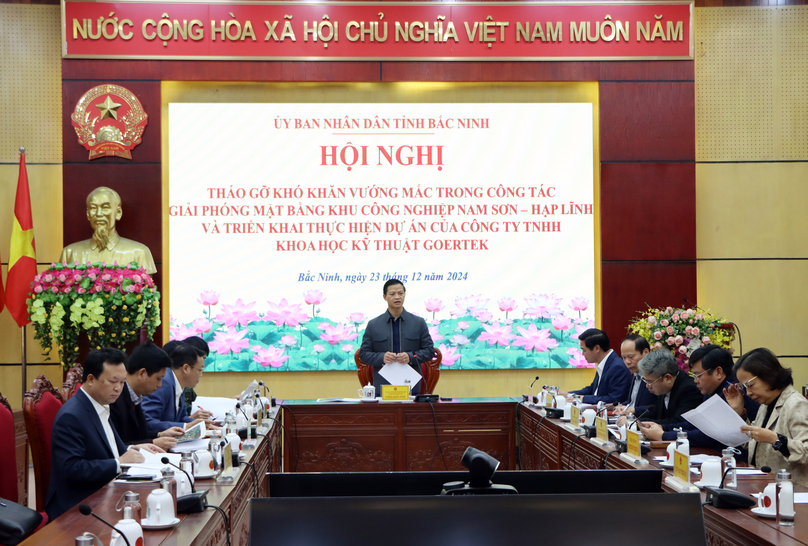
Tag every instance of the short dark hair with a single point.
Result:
(762, 363)
(593, 336)
(712, 357)
(148, 357)
(199, 343)
(94, 363)
(640, 343)
(391, 282)
(171, 345)
(184, 354)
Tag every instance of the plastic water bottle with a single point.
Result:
(785, 498)
(728, 462)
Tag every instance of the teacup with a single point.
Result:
(671, 449)
(204, 463)
(159, 508)
(367, 393)
(766, 502)
(711, 472)
(561, 403)
(589, 417)
(132, 530)
(568, 412)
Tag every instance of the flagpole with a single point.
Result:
(24, 364)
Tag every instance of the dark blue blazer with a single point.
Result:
(82, 461)
(614, 385)
(160, 408)
(645, 400)
(696, 437)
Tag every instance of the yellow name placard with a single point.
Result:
(681, 466)
(602, 428)
(395, 392)
(227, 455)
(575, 415)
(633, 443)
(260, 417)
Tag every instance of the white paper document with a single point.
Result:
(218, 406)
(718, 421)
(397, 373)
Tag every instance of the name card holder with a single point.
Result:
(680, 481)
(575, 419)
(602, 437)
(395, 393)
(633, 454)
(228, 473)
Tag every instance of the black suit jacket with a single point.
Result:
(82, 461)
(129, 420)
(645, 400)
(685, 396)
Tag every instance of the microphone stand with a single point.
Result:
(87, 511)
(193, 503)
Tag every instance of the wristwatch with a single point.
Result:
(781, 444)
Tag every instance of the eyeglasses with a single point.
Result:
(697, 375)
(200, 370)
(746, 384)
(644, 380)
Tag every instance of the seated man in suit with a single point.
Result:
(711, 369)
(202, 345)
(396, 336)
(86, 451)
(676, 393)
(165, 407)
(612, 378)
(633, 349)
(145, 370)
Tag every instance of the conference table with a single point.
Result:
(312, 436)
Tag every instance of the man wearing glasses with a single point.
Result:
(165, 408)
(675, 390)
(711, 369)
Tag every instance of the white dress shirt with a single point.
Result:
(600, 370)
(103, 415)
(635, 390)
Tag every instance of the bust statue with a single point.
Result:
(103, 210)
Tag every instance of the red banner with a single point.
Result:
(449, 31)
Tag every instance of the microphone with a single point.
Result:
(693, 305)
(637, 420)
(528, 397)
(622, 445)
(193, 503)
(87, 511)
(249, 421)
(261, 385)
(729, 498)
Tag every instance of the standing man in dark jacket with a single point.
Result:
(145, 370)
(396, 336)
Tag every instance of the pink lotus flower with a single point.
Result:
(581, 328)
(483, 315)
(561, 323)
(497, 335)
(450, 355)
(356, 318)
(286, 313)
(463, 325)
(347, 348)
(238, 313)
(334, 334)
(577, 359)
(208, 297)
(181, 332)
(270, 356)
(459, 339)
(202, 326)
(433, 305)
(323, 325)
(657, 335)
(470, 305)
(579, 304)
(542, 306)
(507, 304)
(678, 340)
(670, 330)
(669, 341)
(230, 341)
(313, 297)
(317, 349)
(652, 320)
(706, 340)
(696, 331)
(433, 331)
(535, 339)
(288, 341)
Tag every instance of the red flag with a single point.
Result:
(22, 257)
(2, 294)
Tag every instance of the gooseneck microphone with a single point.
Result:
(87, 511)
(194, 502)
(637, 421)
(729, 498)
(534, 382)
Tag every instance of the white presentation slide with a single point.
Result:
(287, 219)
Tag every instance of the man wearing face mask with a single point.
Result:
(711, 367)
(86, 451)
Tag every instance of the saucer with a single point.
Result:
(147, 526)
(565, 419)
(759, 512)
(204, 476)
(700, 485)
(368, 400)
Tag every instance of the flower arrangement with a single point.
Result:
(681, 331)
(247, 336)
(107, 302)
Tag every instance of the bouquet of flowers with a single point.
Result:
(107, 302)
(681, 331)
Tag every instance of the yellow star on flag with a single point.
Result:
(109, 108)
(22, 243)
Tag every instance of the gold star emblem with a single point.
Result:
(108, 108)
